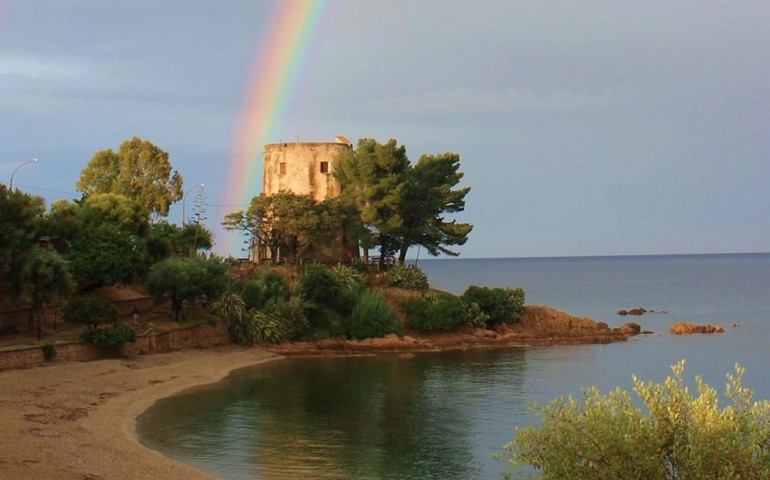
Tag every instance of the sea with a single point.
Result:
(447, 415)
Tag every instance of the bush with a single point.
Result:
(373, 317)
(409, 277)
(292, 316)
(677, 436)
(111, 338)
(327, 296)
(264, 288)
(49, 351)
(90, 310)
(442, 311)
(248, 326)
(474, 316)
(501, 305)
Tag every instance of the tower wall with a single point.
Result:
(304, 168)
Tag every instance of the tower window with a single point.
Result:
(324, 167)
(282, 168)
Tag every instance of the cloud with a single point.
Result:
(503, 101)
(42, 67)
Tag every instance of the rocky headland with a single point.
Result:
(538, 325)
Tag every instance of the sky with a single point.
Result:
(583, 127)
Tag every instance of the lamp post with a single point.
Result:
(33, 160)
(184, 198)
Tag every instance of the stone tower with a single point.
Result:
(305, 168)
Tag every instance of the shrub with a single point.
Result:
(111, 338)
(264, 288)
(474, 316)
(327, 296)
(49, 351)
(501, 305)
(248, 326)
(348, 276)
(266, 328)
(292, 316)
(90, 310)
(373, 317)
(443, 311)
(409, 277)
(676, 436)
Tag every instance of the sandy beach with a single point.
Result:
(75, 421)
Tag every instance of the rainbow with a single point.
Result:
(283, 53)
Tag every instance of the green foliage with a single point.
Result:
(442, 311)
(348, 275)
(106, 255)
(429, 196)
(19, 213)
(187, 279)
(474, 316)
(267, 328)
(49, 351)
(166, 239)
(291, 314)
(400, 204)
(373, 317)
(264, 288)
(326, 293)
(139, 169)
(115, 209)
(44, 277)
(678, 437)
(409, 277)
(110, 338)
(374, 178)
(247, 326)
(287, 223)
(90, 310)
(502, 305)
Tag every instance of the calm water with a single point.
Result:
(442, 416)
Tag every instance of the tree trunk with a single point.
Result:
(402, 254)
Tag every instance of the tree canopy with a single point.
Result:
(19, 214)
(139, 170)
(43, 277)
(187, 279)
(401, 204)
(286, 222)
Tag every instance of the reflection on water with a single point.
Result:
(436, 416)
(443, 415)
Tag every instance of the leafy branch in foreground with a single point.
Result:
(679, 437)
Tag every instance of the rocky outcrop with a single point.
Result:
(538, 325)
(684, 328)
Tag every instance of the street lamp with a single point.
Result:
(34, 160)
(184, 198)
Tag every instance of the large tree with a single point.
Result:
(139, 170)
(429, 196)
(400, 204)
(108, 238)
(19, 215)
(286, 222)
(374, 179)
(187, 279)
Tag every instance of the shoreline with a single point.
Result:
(76, 420)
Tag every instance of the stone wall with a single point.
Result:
(304, 168)
(199, 336)
(17, 320)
